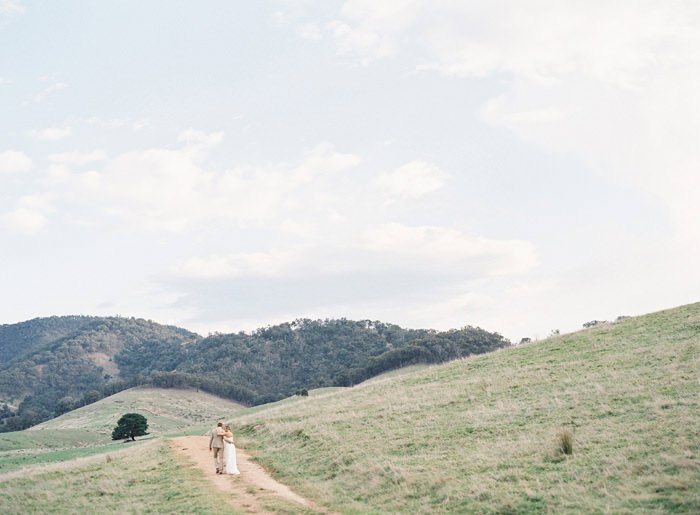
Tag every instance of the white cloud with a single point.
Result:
(411, 181)
(199, 143)
(48, 91)
(37, 202)
(140, 124)
(385, 249)
(323, 160)
(310, 31)
(52, 133)
(156, 189)
(13, 161)
(78, 158)
(252, 264)
(24, 220)
(496, 112)
(615, 84)
(11, 7)
(372, 30)
(30, 214)
(174, 189)
(429, 247)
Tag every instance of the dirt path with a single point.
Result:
(244, 491)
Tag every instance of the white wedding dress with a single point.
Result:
(230, 466)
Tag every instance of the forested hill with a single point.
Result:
(278, 361)
(19, 339)
(55, 365)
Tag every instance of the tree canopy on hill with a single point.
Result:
(275, 362)
(269, 364)
(17, 340)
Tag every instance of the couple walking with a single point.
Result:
(221, 443)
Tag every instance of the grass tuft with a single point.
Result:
(565, 442)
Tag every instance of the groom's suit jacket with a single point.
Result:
(216, 439)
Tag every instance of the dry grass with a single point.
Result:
(474, 435)
(150, 481)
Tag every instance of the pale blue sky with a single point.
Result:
(222, 165)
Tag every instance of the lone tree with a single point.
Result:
(129, 426)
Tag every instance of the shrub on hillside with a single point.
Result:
(594, 323)
(565, 442)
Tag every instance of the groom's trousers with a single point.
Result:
(218, 457)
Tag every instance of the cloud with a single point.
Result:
(372, 30)
(13, 161)
(52, 133)
(199, 143)
(391, 271)
(11, 8)
(440, 248)
(30, 214)
(310, 31)
(140, 124)
(411, 181)
(609, 42)
(50, 90)
(377, 250)
(496, 112)
(78, 158)
(275, 263)
(162, 189)
(24, 220)
(614, 84)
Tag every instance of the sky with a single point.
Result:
(224, 165)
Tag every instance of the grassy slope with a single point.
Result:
(87, 430)
(479, 435)
(167, 410)
(151, 480)
(141, 477)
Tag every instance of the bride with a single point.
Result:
(229, 453)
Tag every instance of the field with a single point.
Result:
(147, 478)
(479, 435)
(87, 431)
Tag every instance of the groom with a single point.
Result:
(216, 444)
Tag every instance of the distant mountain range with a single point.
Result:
(52, 365)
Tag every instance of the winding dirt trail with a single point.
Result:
(245, 492)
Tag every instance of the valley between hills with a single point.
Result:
(481, 433)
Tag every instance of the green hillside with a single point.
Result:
(17, 340)
(274, 362)
(59, 364)
(80, 469)
(167, 410)
(480, 435)
(88, 430)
